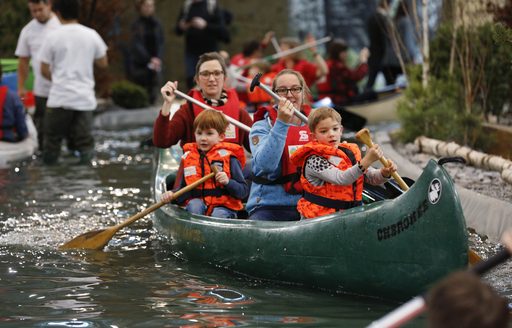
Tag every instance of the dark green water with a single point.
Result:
(134, 282)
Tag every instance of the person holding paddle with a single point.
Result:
(210, 78)
(311, 72)
(223, 196)
(333, 172)
(276, 133)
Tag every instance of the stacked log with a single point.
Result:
(472, 157)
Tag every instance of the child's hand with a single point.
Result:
(167, 196)
(387, 171)
(372, 155)
(222, 178)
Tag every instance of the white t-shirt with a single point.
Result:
(71, 51)
(29, 42)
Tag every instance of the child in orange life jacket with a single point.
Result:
(332, 171)
(222, 196)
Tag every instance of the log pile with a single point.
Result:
(472, 157)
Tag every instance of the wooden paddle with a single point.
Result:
(364, 136)
(97, 239)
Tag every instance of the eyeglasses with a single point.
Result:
(207, 74)
(284, 91)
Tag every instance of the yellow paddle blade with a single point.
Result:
(94, 240)
(473, 257)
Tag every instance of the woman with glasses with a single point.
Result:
(210, 78)
(275, 135)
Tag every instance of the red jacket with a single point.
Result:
(167, 133)
(341, 82)
(305, 68)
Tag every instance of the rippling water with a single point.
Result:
(135, 282)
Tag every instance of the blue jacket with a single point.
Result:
(12, 119)
(267, 145)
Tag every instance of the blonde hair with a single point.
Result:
(305, 90)
(211, 119)
(321, 114)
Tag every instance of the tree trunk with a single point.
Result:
(425, 48)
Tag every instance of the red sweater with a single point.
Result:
(167, 133)
(305, 68)
(341, 82)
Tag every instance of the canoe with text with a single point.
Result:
(392, 248)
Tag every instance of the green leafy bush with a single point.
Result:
(129, 95)
(438, 112)
(455, 103)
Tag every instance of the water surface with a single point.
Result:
(135, 282)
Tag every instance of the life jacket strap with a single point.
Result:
(330, 203)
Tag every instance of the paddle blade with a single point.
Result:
(94, 240)
(473, 257)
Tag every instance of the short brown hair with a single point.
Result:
(336, 47)
(463, 300)
(208, 56)
(305, 90)
(320, 114)
(211, 119)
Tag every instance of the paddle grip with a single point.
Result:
(364, 136)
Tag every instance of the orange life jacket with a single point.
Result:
(296, 136)
(329, 198)
(258, 95)
(196, 165)
(231, 108)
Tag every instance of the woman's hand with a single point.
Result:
(199, 23)
(222, 178)
(388, 170)
(285, 110)
(167, 92)
(363, 55)
(506, 240)
(167, 196)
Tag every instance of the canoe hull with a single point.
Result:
(392, 249)
(11, 152)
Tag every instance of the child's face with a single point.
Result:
(328, 131)
(207, 138)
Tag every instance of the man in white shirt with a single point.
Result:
(67, 59)
(29, 42)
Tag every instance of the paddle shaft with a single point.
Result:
(161, 203)
(417, 305)
(287, 52)
(364, 136)
(204, 106)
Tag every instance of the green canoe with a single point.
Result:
(393, 248)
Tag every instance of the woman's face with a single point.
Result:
(147, 8)
(342, 56)
(210, 79)
(288, 86)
